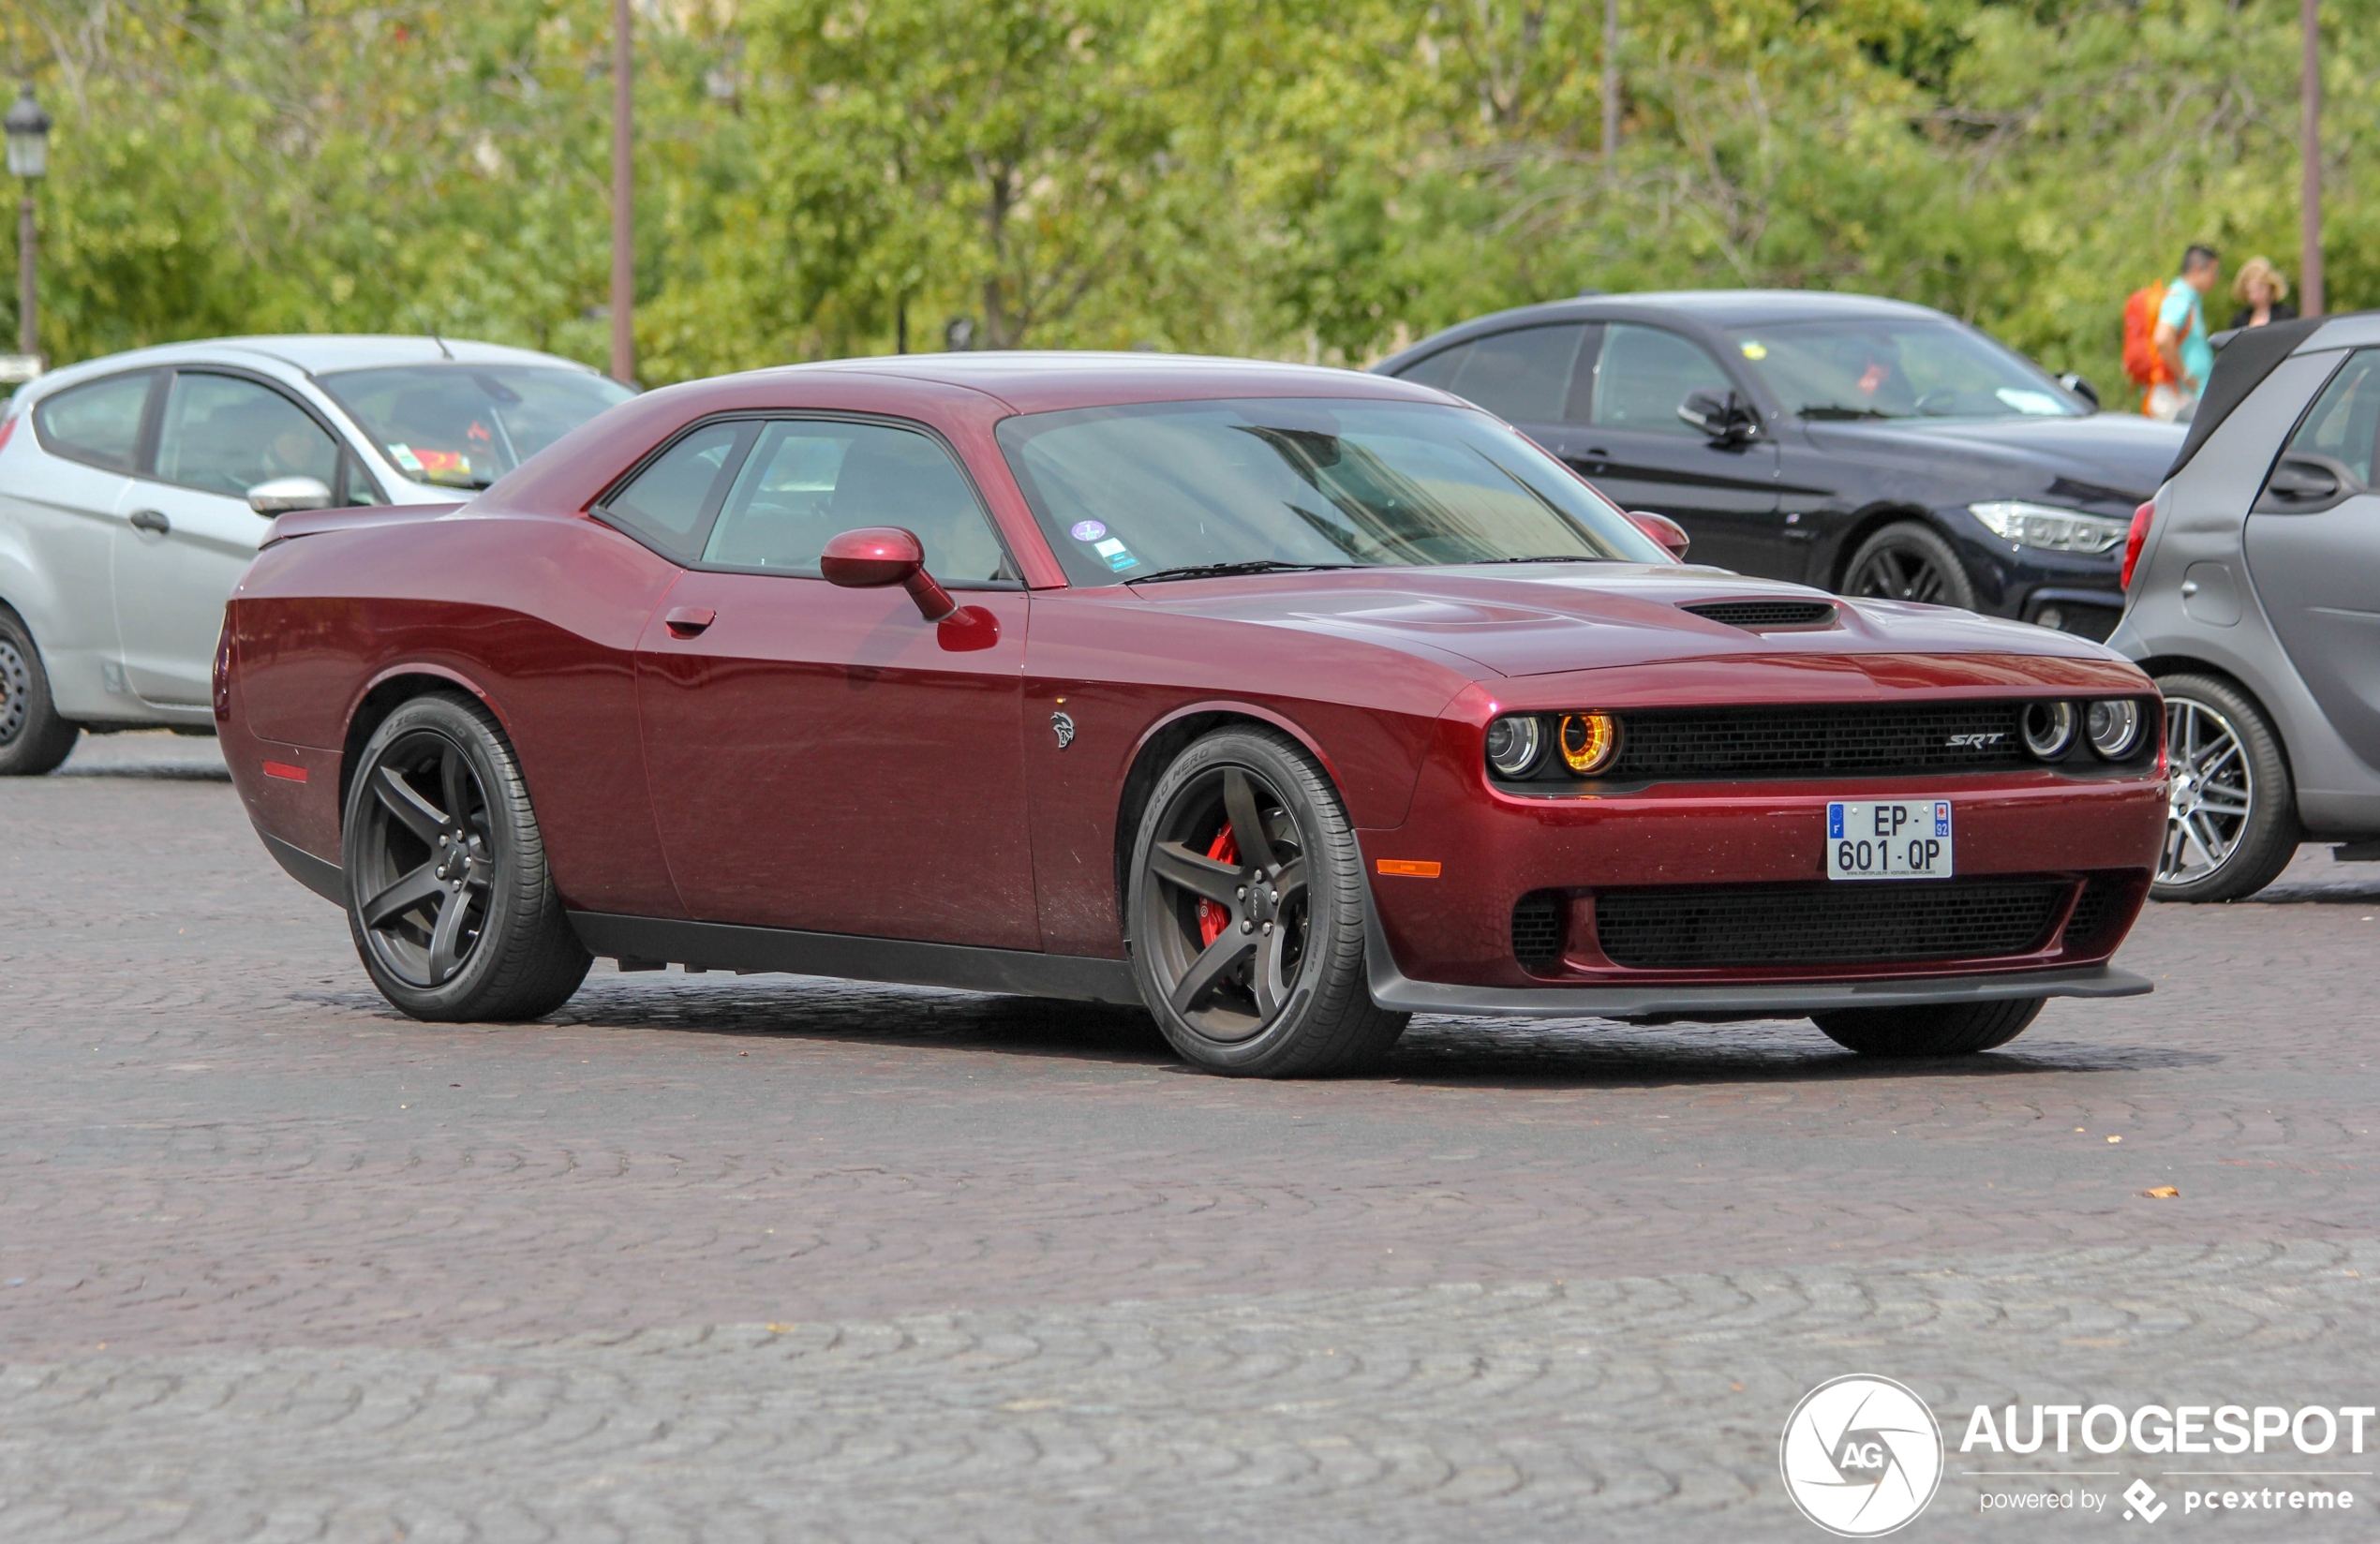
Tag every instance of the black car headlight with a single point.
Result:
(2049, 729)
(1514, 744)
(2112, 725)
(2048, 526)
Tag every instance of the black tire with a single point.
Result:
(1910, 562)
(2209, 782)
(33, 738)
(1948, 1029)
(451, 907)
(1280, 989)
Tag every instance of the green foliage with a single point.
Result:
(1287, 177)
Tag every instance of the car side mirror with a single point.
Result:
(874, 556)
(2080, 386)
(2301, 483)
(289, 494)
(1666, 532)
(1727, 417)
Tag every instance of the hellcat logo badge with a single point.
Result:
(1063, 726)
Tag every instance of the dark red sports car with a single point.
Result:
(1286, 702)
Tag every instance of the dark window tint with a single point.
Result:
(1439, 369)
(1521, 376)
(670, 503)
(807, 481)
(99, 422)
(2345, 420)
(1645, 375)
(226, 435)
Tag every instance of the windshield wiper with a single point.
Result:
(1565, 558)
(1837, 413)
(1216, 570)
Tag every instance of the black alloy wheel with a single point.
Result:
(1909, 562)
(33, 738)
(451, 907)
(1948, 1029)
(1248, 915)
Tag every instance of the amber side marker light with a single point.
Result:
(1408, 867)
(1588, 741)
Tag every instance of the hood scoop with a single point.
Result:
(1762, 615)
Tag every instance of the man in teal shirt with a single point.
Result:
(2181, 336)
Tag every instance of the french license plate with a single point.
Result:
(1896, 838)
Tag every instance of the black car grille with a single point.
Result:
(1724, 926)
(1537, 928)
(1799, 742)
(1751, 615)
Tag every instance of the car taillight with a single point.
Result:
(2135, 537)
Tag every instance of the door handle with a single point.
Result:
(152, 521)
(689, 621)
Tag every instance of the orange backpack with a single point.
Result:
(2141, 360)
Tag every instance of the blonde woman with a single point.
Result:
(2263, 294)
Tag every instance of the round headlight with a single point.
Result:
(1590, 741)
(1513, 745)
(2049, 729)
(2113, 724)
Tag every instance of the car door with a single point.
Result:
(1626, 438)
(184, 532)
(66, 517)
(2313, 551)
(823, 758)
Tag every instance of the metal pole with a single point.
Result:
(1611, 82)
(2310, 153)
(28, 323)
(623, 194)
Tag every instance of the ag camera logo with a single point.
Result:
(1861, 1456)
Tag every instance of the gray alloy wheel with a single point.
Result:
(33, 738)
(2231, 814)
(451, 907)
(1949, 1029)
(1248, 909)
(1909, 561)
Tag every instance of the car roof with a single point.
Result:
(313, 353)
(1051, 379)
(1692, 307)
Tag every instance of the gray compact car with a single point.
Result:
(134, 490)
(2253, 598)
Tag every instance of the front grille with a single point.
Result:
(1752, 615)
(1537, 930)
(1695, 928)
(2097, 911)
(1800, 742)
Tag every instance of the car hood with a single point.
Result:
(1550, 619)
(2107, 462)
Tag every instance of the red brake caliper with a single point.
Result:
(1214, 916)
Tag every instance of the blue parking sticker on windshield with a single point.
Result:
(1119, 557)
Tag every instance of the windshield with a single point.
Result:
(466, 425)
(1129, 494)
(1849, 370)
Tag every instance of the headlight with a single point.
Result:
(2113, 725)
(1590, 741)
(2049, 729)
(1513, 745)
(2047, 525)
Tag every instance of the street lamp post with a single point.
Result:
(28, 129)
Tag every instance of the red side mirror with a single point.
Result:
(876, 555)
(1664, 530)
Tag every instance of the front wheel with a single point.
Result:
(2231, 815)
(1909, 561)
(33, 738)
(1247, 908)
(1950, 1029)
(449, 899)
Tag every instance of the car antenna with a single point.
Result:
(432, 331)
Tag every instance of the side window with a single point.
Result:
(354, 487)
(226, 435)
(669, 504)
(1439, 369)
(2345, 420)
(99, 423)
(808, 480)
(1522, 376)
(1642, 377)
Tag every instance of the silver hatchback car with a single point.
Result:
(2253, 589)
(134, 490)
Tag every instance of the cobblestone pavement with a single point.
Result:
(731, 1258)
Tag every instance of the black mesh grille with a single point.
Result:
(1537, 928)
(1839, 923)
(2096, 915)
(1790, 742)
(1754, 614)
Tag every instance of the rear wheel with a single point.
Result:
(1951, 1029)
(33, 738)
(1909, 561)
(449, 899)
(1247, 908)
(2231, 816)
